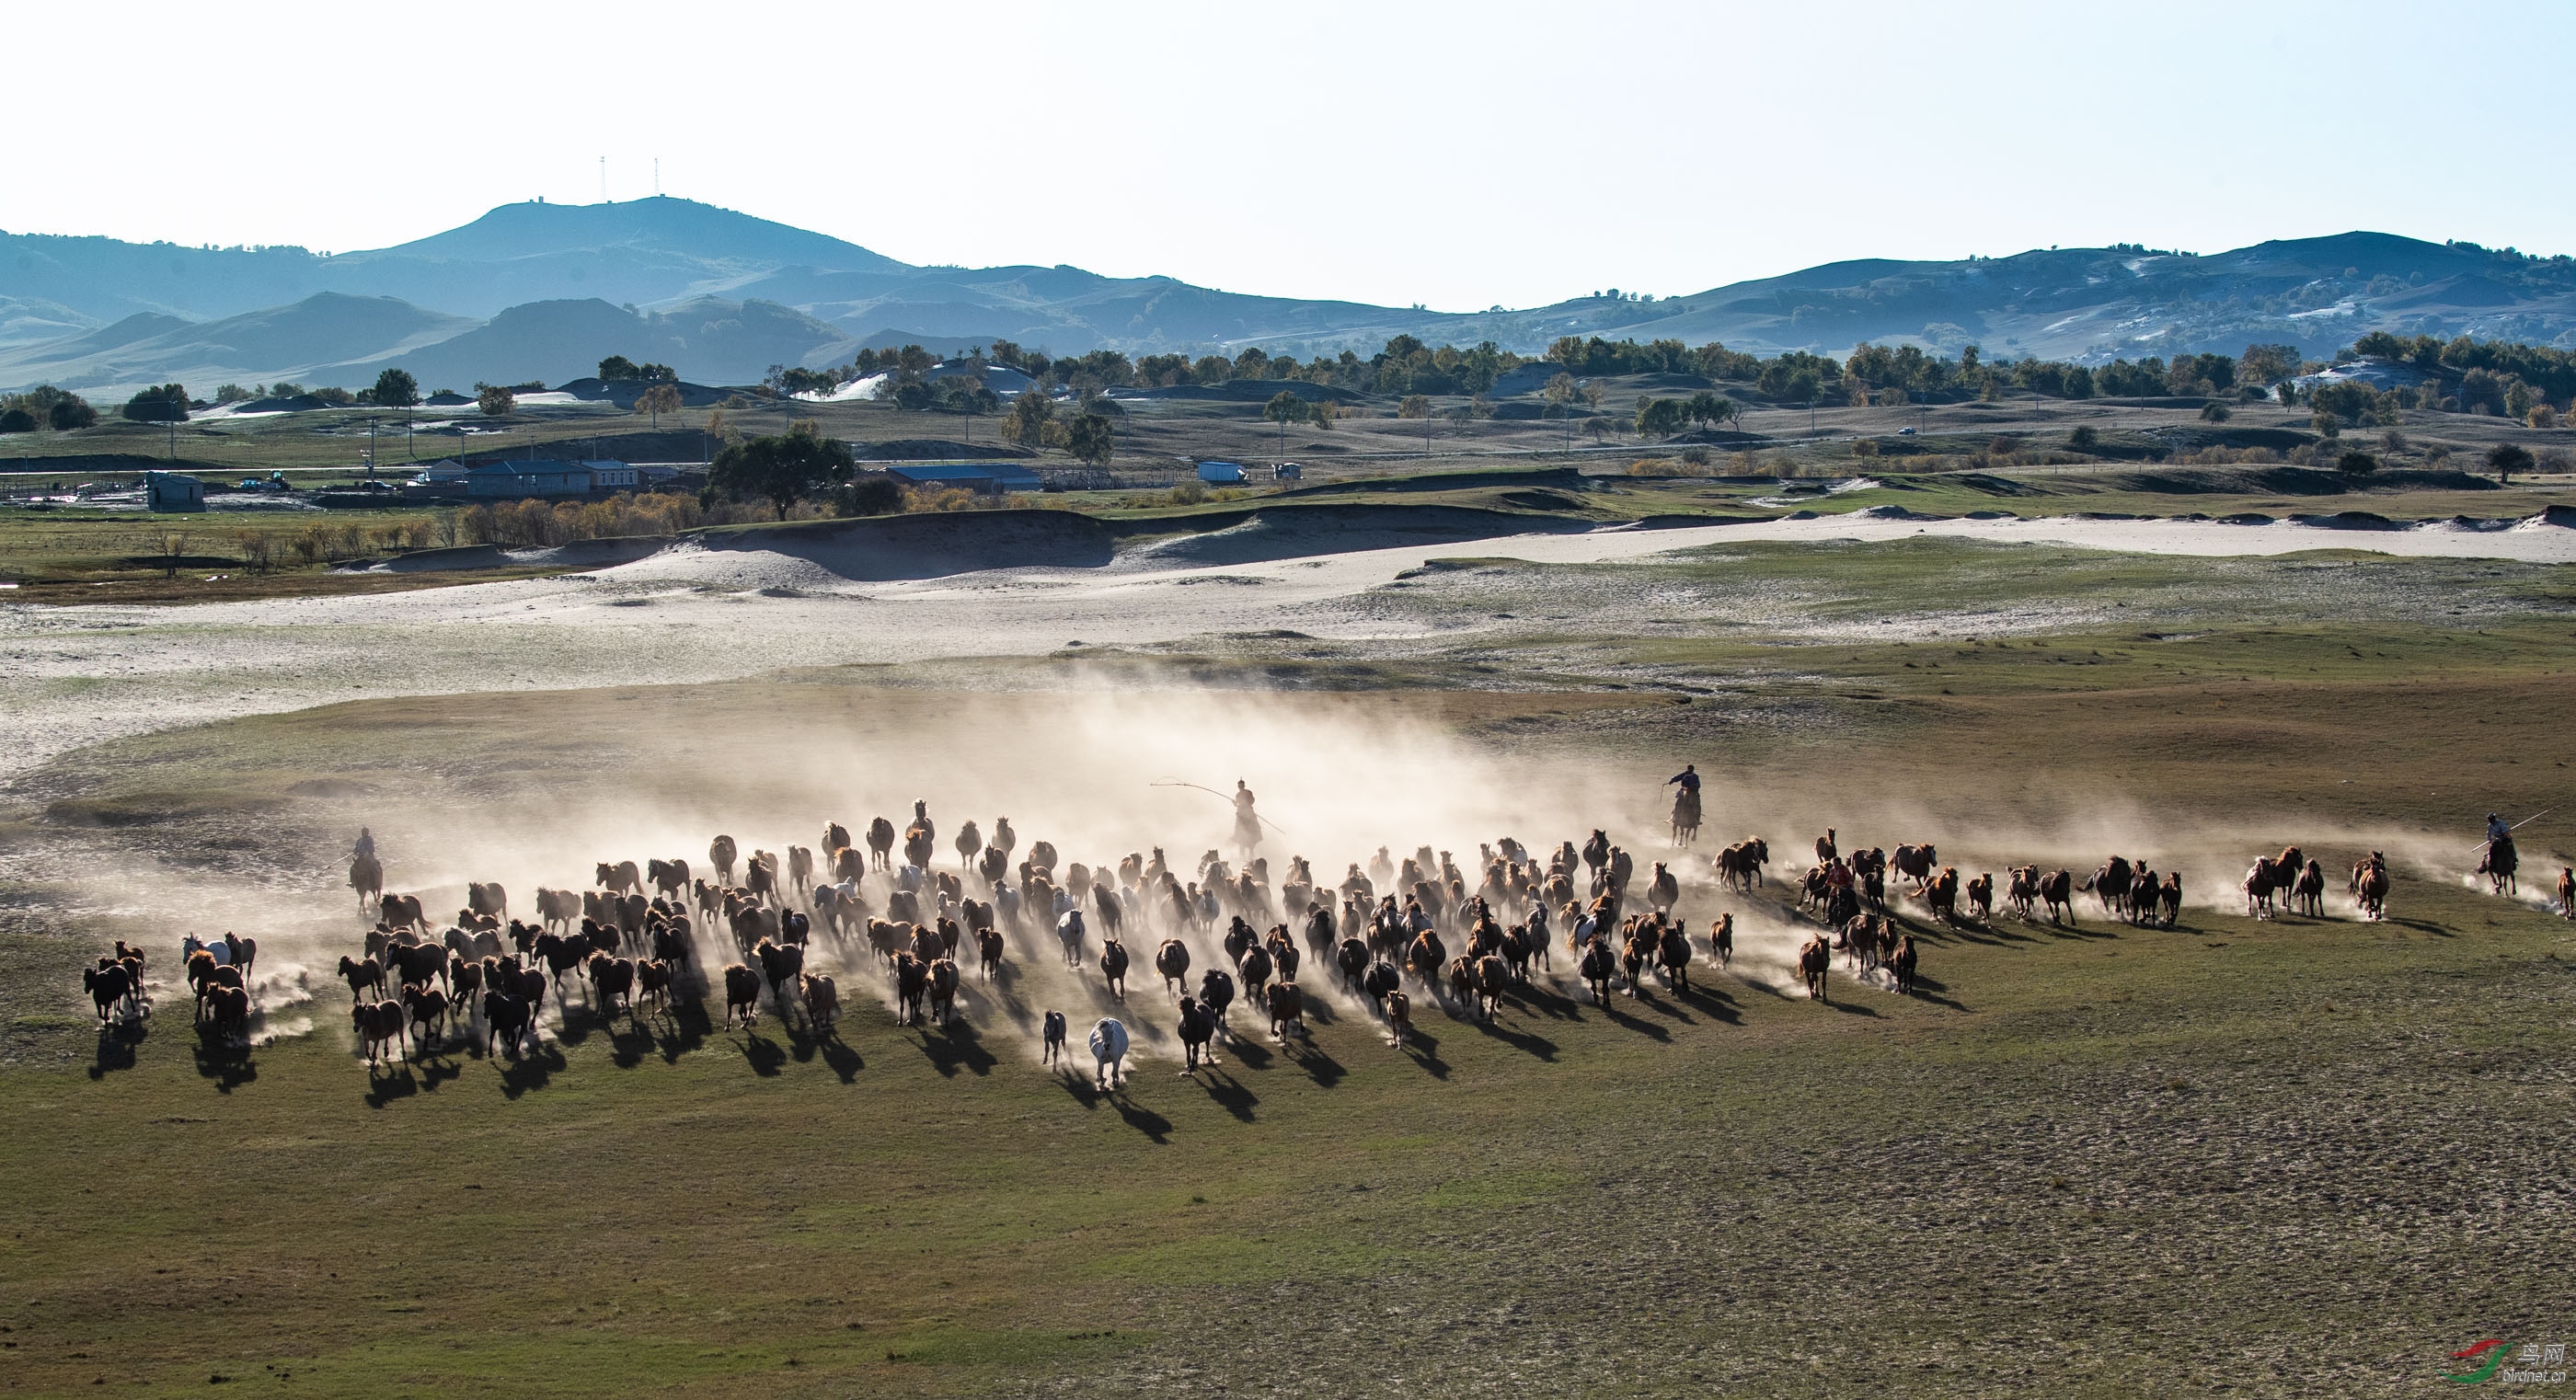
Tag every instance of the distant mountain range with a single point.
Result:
(543, 291)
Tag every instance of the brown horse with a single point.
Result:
(2370, 886)
(1814, 961)
(367, 877)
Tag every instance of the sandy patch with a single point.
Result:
(83, 675)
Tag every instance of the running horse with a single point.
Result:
(2499, 865)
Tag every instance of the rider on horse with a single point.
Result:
(1685, 803)
(1247, 823)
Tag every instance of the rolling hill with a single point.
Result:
(543, 290)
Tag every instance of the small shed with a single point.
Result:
(173, 491)
(609, 476)
(1221, 473)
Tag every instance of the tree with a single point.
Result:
(1416, 406)
(495, 400)
(965, 394)
(1090, 439)
(2326, 423)
(782, 469)
(17, 420)
(166, 403)
(2506, 458)
(1598, 425)
(2084, 438)
(2213, 413)
(70, 412)
(1283, 409)
(1658, 418)
(615, 368)
(658, 400)
(395, 389)
(1026, 423)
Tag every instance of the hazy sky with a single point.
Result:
(1459, 156)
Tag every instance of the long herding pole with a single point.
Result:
(2517, 826)
(1212, 792)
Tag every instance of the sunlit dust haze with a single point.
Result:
(1102, 775)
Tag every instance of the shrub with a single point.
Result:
(17, 420)
(2357, 464)
(2083, 439)
(2392, 441)
(1864, 447)
(873, 494)
(2326, 424)
(2542, 416)
(2214, 413)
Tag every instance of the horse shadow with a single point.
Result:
(1662, 1001)
(1930, 990)
(842, 1057)
(116, 1044)
(530, 1070)
(391, 1084)
(1545, 1000)
(628, 1046)
(1852, 1008)
(1989, 933)
(1424, 1051)
(226, 1063)
(435, 1068)
(689, 1029)
(1319, 1065)
(956, 1046)
(1524, 1041)
(761, 1053)
(1714, 1004)
(2093, 933)
(1230, 1094)
(1251, 1054)
(1154, 1126)
(1610, 1012)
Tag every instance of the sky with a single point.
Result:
(1458, 156)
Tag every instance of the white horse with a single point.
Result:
(1069, 928)
(191, 945)
(1109, 1050)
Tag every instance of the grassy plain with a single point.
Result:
(2289, 1158)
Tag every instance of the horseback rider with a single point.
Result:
(1687, 779)
(2499, 837)
(1247, 823)
(366, 843)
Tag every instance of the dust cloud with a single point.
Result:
(1105, 775)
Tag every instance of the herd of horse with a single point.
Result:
(1465, 937)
